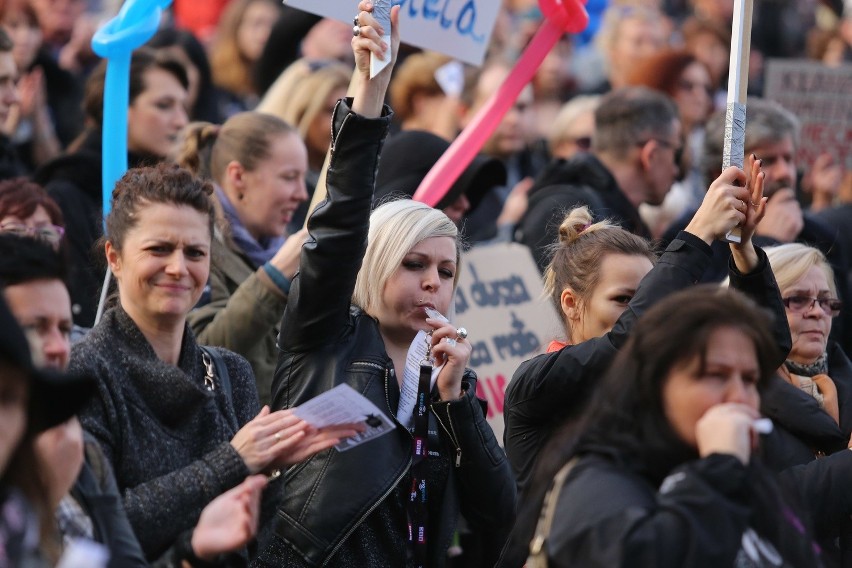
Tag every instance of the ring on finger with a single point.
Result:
(356, 31)
(461, 333)
(277, 436)
(450, 341)
(356, 21)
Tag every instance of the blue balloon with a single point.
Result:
(115, 41)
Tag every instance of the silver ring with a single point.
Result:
(277, 436)
(461, 333)
(356, 31)
(450, 341)
(355, 20)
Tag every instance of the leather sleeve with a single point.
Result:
(558, 384)
(486, 486)
(321, 292)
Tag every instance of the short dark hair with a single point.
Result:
(143, 59)
(163, 183)
(24, 259)
(630, 116)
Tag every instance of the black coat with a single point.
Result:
(332, 496)
(804, 431)
(702, 515)
(97, 493)
(553, 388)
(563, 185)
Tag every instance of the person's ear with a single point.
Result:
(570, 305)
(113, 258)
(235, 176)
(647, 154)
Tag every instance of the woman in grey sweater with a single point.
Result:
(180, 425)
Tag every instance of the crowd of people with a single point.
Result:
(264, 248)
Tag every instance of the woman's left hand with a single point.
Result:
(745, 257)
(454, 353)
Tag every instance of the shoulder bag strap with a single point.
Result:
(538, 552)
(220, 371)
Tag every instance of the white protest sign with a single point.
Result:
(458, 28)
(821, 97)
(499, 301)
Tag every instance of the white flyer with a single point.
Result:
(345, 405)
(382, 13)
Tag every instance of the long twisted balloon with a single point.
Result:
(561, 16)
(115, 41)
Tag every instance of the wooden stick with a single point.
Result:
(735, 117)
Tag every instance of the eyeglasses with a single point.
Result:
(49, 233)
(799, 304)
(678, 148)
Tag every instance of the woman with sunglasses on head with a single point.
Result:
(366, 293)
(27, 210)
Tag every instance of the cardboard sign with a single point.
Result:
(821, 97)
(458, 28)
(499, 301)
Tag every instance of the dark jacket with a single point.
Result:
(706, 513)
(96, 492)
(331, 497)
(804, 432)
(563, 185)
(553, 388)
(74, 182)
(165, 435)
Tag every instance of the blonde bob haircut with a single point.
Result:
(395, 228)
(792, 261)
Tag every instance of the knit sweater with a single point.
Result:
(166, 436)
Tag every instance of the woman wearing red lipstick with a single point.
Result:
(357, 305)
(258, 164)
(180, 425)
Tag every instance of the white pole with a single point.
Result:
(735, 117)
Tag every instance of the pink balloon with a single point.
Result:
(561, 16)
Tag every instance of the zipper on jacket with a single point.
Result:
(370, 364)
(453, 437)
(386, 493)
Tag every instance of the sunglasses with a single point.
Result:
(49, 233)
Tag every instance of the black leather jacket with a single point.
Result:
(324, 343)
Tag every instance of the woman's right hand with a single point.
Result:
(724, 206)
(369, 94)
(280, 439)
(727, 429)
(286, 260)
(229, 522)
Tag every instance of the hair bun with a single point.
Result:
(576, 221)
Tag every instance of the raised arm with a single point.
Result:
(320, 294)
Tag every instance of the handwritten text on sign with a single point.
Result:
(821, 97)
(458, 28)
(499, 302)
